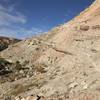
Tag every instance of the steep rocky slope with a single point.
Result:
(5, 42)
(65, 62)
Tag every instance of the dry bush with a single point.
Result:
(40, 67)
(84, 28)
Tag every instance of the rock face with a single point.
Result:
(5, 42)
(65, 62)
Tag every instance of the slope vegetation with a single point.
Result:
(63, 64)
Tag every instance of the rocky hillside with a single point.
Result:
(63, 64)
(5, 42)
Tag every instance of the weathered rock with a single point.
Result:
(64, 61)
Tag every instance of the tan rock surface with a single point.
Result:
(66, 60)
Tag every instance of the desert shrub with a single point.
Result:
(96, 27)
(18, 65)
(3, 46)
(84, 28)
(25, 62)
(37, 49)
(3, 61)
(94, 50)
(40, 67)
(4, 67)
(8, 98)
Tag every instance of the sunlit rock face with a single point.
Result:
(63, 64)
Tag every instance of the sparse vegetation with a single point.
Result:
(18, 65)
(94, 50)
(64, 64)
(84, 28)
(40, 67)
(3, 46)
(25, 62)
(4, 67)
(5, 42)
(96, 27)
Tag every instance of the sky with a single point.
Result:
(26, 18)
